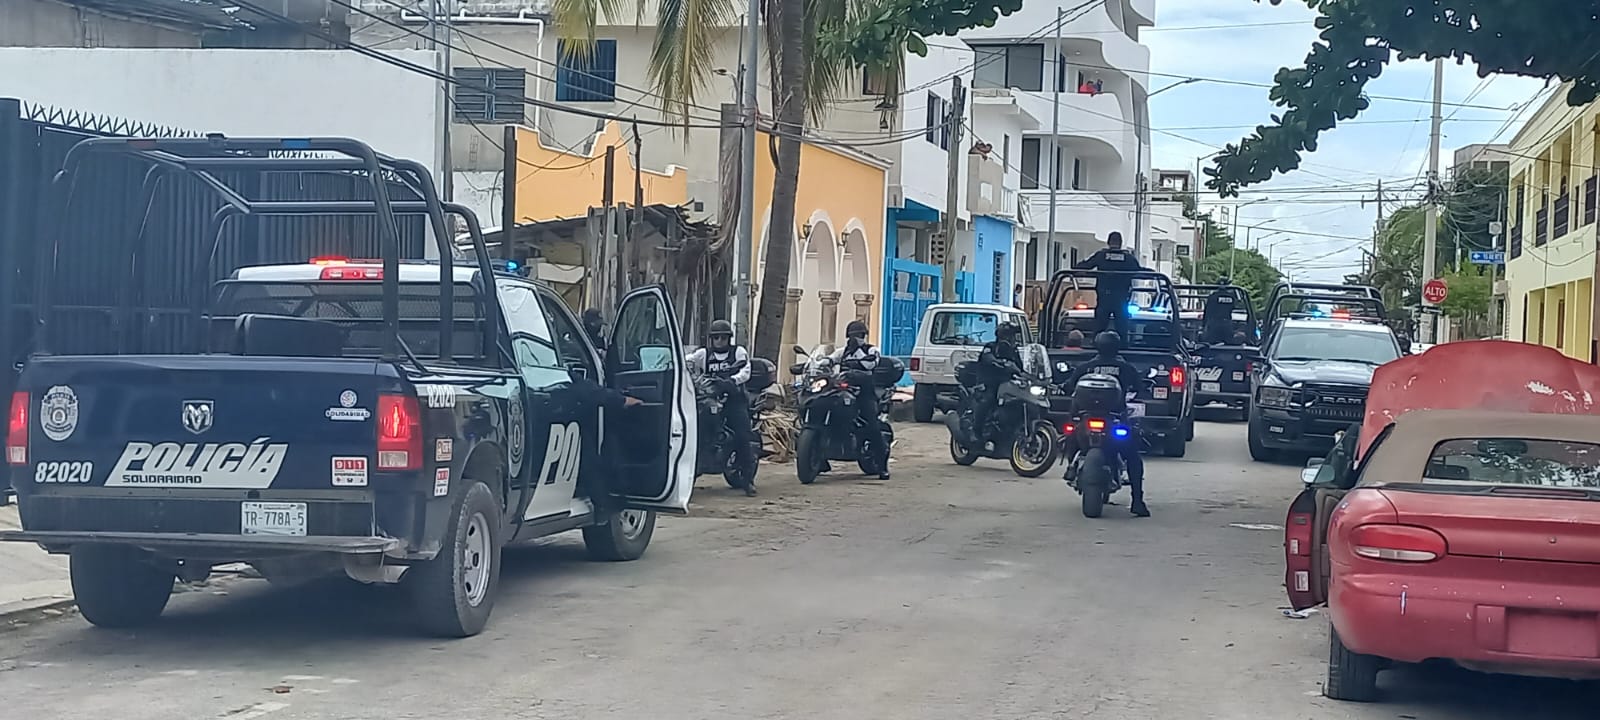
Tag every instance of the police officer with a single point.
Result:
(998, 363)
(595, 326)
(859, 358)
(1112, 289)
(1108, 361)
(1217, 318)
(728, 362)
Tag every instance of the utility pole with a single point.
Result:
(448, 171)
(1055, 144)
(952, 199)
(1430, 231)
(610, 248)
(744, 249)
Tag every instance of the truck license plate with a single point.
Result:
(1159, 393)
(272, 518)
(1135, 410)
(1210, 387)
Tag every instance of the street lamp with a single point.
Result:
(1139, 180)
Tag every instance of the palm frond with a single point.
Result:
(575, 20)
(683, 56)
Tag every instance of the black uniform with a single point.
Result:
(1217, 320)
(860, 358)
(998, 363)
(731, 366)
(1128, 448)
(594, 327)
(1112, 290)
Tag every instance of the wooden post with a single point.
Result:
(508, 193)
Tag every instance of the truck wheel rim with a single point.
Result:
(631, 522)
(476, 560)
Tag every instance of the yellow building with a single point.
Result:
(1550, 233)
(840, 215)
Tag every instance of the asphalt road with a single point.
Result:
(944, 593)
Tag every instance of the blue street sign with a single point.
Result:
(1488, 257)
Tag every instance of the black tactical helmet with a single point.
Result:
(721, 328)
(1108, 343)
(856, 329)
(1007, 331)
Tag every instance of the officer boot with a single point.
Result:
(1138, 507)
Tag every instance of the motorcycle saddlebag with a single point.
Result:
(1098, 394)
(762, 374)
(888, 372)
(967, 374)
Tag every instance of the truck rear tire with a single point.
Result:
(1174, 444)
(117, 586)
(624, 536)
(922, 402)
(454, 593)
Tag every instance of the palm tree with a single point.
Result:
(807, 73)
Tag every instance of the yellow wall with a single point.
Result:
(554, 183)
(844, 189)
(1550, 287)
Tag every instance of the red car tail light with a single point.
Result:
(1067, 428)
(1175, 377)
(17, 430)
(399, 433)
(916, 364)
(1397, 543)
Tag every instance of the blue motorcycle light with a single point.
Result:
(1119, 431)
(1133, 308)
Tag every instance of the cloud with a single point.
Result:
(1389, 144)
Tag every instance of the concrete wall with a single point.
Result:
(241, 92)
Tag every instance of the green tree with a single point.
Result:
(1532, 38)
(813, 48)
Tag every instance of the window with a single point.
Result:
(1181, 250)
(1005, 153)
(489, 95)
(358, 307)
(1030, 163)
(1561, 324)
(586, 73)
(874, 81)
(1056, 167)
(998, 279)
(526, 321)
(1009, 66)
(1077, 174)
(971, 329)
(1061, 74)
(571, 342)
(1591, 194)
(1514, 461)
(1320, 344)
(938, 127)
(1074, 257)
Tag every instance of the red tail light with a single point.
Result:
(17, 430)
(916, 364)
(1175, 377)
(1398, 543)
(1068, 428)
(399, 433)
(1097, 425)
(351, 272)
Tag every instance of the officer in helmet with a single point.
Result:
(730, 364)
(1217, 318)
(1108, 361)
(859, 358)
(998, 363)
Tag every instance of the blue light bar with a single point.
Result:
(1133, 308)
(1119, 431)
(296, 144)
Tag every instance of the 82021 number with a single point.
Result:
(63, 472)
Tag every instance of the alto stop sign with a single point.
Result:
(1434, 291)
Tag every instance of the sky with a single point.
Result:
(1321, 198)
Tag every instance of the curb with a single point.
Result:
(17, 615)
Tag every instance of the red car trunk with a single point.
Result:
(1506, 526)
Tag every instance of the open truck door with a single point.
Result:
(653, 442)
(1305, 530)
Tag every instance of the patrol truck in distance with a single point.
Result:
(397, 421)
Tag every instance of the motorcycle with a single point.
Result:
(1099, 418)
(1016, 431)
(717, 453)
(829, 426)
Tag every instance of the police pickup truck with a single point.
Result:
(397, 421)
(1316, 366)
(1221, 365)
(1154, 345)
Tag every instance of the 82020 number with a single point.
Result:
(63, 472)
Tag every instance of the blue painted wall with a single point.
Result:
(993, 236)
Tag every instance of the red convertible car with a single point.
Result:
(1461, 522)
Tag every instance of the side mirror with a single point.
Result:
(1308, 476)
(801, 350)
(1314, 463)
(797, 369)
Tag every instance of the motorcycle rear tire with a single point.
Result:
(737, 477)
(808, 457)
(1093, 481)
(1042, 432)
(960, 453)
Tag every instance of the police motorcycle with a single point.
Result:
(717, 453)
(1100, 417)
(1017, 429)
(829, 426)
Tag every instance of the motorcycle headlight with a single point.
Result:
(818, 384)
(1063, 367)
(1036, 391)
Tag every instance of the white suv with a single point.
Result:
(951, 334)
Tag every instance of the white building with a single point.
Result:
(1101, 146)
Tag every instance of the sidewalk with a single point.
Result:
(31, 581)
